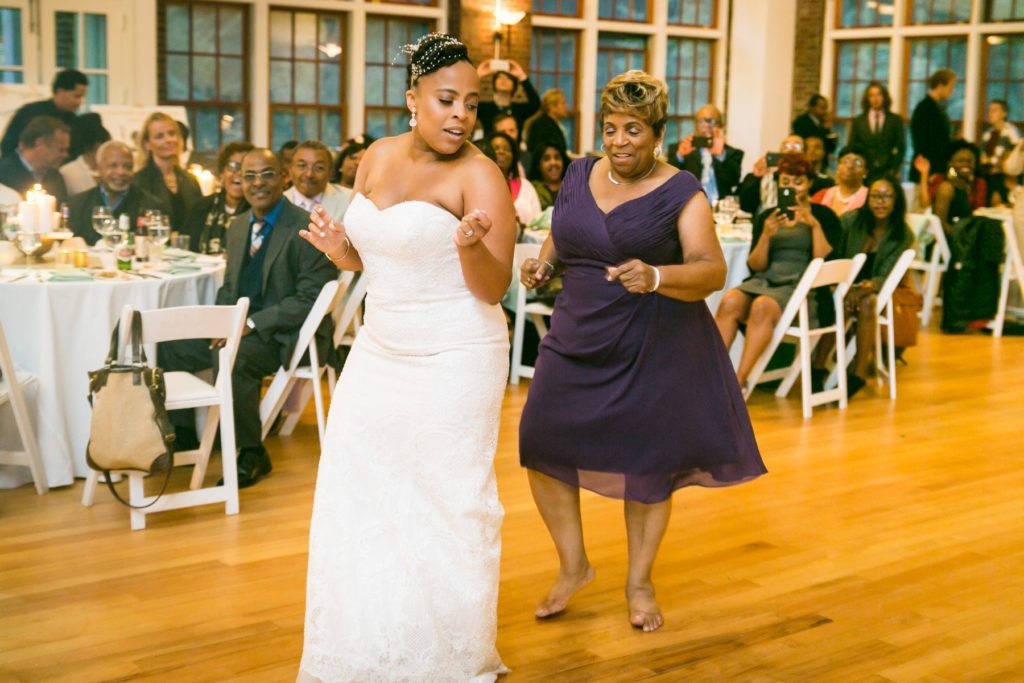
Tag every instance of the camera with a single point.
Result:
(702, 141)
(786, 197)
(773, 159)
(500, 65)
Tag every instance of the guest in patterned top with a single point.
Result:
(210, 217)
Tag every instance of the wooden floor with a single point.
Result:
(886, 544)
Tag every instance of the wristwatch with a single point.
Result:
(250, 324)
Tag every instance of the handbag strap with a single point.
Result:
(135, 339)
(163, 489)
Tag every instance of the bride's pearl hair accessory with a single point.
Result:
(432, 52)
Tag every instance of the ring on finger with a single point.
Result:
(468, 233)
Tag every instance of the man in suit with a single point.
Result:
(42, 148)
(69, 88)
(544, 126)
(282, 275)
(878, 132)
(115, 164)
(310, 170)
(930, 128)
(716, 166)
(817, 121)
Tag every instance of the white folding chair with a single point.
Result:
(12, 385)
(287, 379)
(884, 316)
(819, 273)
(910, 194)
(1013, 271)
(927, 229)
(347, 316)
(536, 310)
(185, 390)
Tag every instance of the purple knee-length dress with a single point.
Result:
(633, 395)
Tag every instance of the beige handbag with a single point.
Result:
(130, 428)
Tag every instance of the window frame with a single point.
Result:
(574, 113)
(679, 119)
(714, 15)
(388, 109)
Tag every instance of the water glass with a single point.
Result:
(182, 242)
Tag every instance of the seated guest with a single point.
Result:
(815, 147)
(849, 192)
(758, 190)
(783, 247)
(210, 217)
(503, 151)
(116, 165)
(958, 193)
(547, 171)
(348, 162)
(161, 174)
(879, 132)
(817, 121)
(282, 275)
(716, 166)
(42, 148)
(545, 126)
(285, 155)
(87, 134)
(69, 88)
(311, 167)
(878, 229)
(506, 123)
(997, 142)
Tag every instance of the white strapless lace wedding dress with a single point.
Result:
(404, 545)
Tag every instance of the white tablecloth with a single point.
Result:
(59, 331)
(736, 253)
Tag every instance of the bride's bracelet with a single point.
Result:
(348, 248)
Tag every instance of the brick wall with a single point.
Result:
(810, 27)
(472, 21)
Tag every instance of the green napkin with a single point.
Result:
(70, 276)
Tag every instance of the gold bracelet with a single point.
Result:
(348, 248)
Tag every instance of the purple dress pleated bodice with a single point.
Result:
(633, 395)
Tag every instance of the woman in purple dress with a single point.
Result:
(633, 395)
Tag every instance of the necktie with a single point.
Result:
(878, 121)
(707, 176)
(257, 237)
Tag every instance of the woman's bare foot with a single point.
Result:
(644, 612)
(566, 585)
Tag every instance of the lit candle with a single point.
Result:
(29, 213)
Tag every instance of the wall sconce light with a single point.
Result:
(506, 18)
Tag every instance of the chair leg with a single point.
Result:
(89, 491)
(332, 381)
(318, 401)
(805, 376)
(301, 392)
(205, 447)
(841, 359)
(1004, 293)
(891, 338)
(136, 494)
(229, 455)
(517, 347)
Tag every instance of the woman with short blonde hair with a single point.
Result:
(160, 173)
(633, 394)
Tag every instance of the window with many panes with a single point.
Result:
(564, 8)
(12, 64)
(553, 59)
(688, 72)
(940, 11)
(1004, 74)
(623, 10)
(926, 56)
(306, 77)
(858, 62)
(386, 113)
(1005, 10)
(691, 12)
(81, 43)
(204, 66)
(852, 13)
(616, 53)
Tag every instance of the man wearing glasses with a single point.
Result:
(282, 275)
(706, 155)
(309, 171)
(849, 192)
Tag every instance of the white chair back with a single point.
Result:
(536, 311)
(11, 385)
(321, 307)
(927, 229)
(347, 307)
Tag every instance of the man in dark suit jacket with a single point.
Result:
(815, 121)
(115, 163)
(717, 167)
(930, 127)
(42, 148)
(878, 132)
(543, 127)
(282, 275)
(69, 88)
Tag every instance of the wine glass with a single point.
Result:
(104, 223)
(725, 210)
(27, 241)
(159, 233)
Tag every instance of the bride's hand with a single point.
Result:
(472, 228)
(325, 234)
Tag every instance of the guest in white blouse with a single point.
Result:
(310, 169)
(87, 134)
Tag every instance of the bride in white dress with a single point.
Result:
(405, 537)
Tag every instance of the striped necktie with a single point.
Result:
(257, 237)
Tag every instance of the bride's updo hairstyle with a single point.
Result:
(431, 53)
(638, 94)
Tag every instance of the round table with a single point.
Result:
(59, 331)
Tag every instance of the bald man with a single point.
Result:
(116, 170)
(705, 154)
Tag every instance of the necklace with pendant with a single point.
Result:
(632, 182)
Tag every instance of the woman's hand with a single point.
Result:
(472, 229)
(635, 275)
(517, 71)
(761, 167)
(326, 235)
(922, 165)
(772, 223)
(802, 214)
(534, 273)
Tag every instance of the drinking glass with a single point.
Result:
(182, 242)
(27, 242)
(105, 225)
(159, 233)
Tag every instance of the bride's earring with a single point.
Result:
(604, 148)
(412, 119)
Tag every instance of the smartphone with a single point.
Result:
(787, 200)
(773, 159)
(702, 141)
(500, 65)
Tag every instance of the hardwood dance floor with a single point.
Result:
(885, 544)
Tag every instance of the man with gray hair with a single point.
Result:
(705, 154)
(310, 171)
(116, 169)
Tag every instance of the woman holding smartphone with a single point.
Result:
(785, 239)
